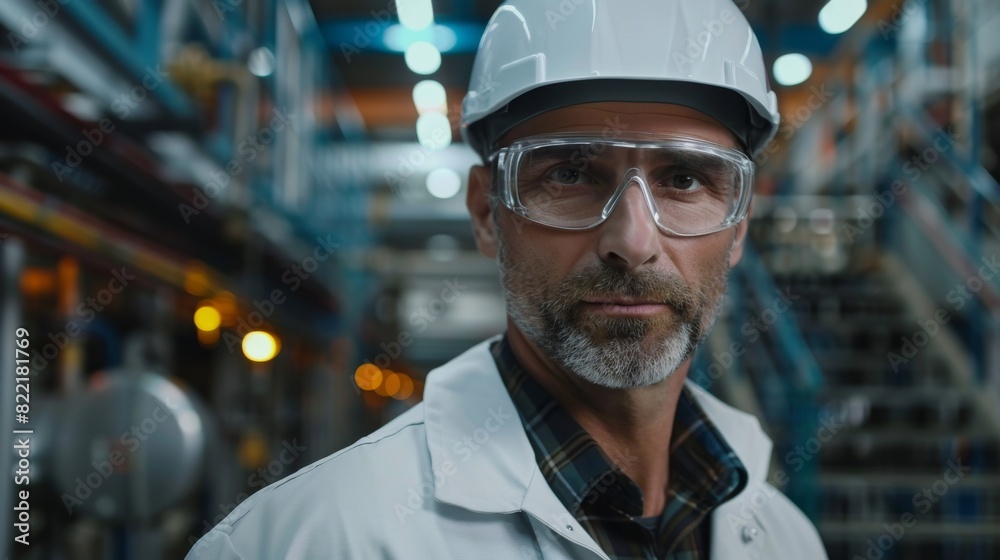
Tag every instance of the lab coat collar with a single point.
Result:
(483, 462)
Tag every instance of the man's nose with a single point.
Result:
(630, 237)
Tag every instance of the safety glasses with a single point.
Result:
(575, 181)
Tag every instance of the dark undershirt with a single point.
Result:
(651, 523)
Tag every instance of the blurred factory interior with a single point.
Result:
(239, 243)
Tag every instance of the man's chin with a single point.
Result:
(643, 334)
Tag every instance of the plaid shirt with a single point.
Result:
(704, 472)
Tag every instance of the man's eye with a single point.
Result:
(685, 182)
(566, 176)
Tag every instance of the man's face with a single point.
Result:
(621, 305)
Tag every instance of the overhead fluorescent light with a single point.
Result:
(434, 131)
(399, 38)
(423, 58)
(430, 97)
(415, 14)
(792, 69)
(261, 62)
(840, 15)
(444, 183)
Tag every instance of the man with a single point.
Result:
(616, 137)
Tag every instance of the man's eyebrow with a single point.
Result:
(558, 152)
(694, 160)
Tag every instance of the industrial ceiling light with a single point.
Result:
(430, 97)
(260, 346)
(423, 58)
(840, 15)
(434, 131)
(261, 62)
(415, 14)
(398, 38)
(444, 183)
(792, 69)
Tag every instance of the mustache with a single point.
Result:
(605, 281)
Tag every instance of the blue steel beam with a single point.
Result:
(369, 34)
(105, 32)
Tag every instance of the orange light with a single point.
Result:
(392, 383)
(368, 377)
(405, 388)
(252, 451)
(207, 317)
(380, 388)
(225, 302)
(37, 282)
(196, 281)
(260, 346)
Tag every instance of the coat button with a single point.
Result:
(749, 534)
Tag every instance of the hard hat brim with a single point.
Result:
(730, 108)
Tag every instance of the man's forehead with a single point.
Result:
(617, 117)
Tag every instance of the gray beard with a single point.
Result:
(622, 360)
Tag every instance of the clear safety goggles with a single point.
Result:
(575, 181)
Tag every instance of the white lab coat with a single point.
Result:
(455, 478)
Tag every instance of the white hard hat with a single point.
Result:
(697, 53)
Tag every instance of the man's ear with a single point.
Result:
(740, 238)
(477, 199)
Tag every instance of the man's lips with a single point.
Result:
(624, 306)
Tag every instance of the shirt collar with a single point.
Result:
(703, 466)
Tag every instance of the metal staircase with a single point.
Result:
(883, 432)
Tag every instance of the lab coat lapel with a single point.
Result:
(475, 434)
(482, 460)
(475, 437)
(737, 532)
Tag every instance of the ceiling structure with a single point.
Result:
(380, 84)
